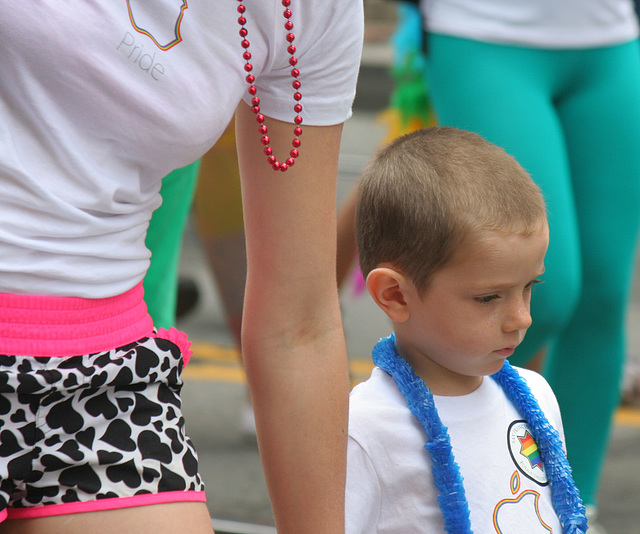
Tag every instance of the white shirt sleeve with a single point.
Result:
(362, 500)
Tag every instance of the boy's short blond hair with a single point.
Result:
(424, 193)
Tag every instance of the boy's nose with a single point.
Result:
(519, 317)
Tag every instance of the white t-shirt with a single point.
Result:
(101, 99)
(389, 481)
(535, 23)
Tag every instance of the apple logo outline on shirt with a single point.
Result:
(166, 35)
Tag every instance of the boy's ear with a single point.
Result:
(387, 287)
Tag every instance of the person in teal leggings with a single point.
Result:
(210, 188)
(572, 119)
(164, 240)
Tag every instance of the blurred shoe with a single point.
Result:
(631, 384)
(247, 422)
(188, 296)
(592, 520)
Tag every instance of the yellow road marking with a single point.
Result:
(627, 416)
(360, 367)
(214, 373)
(209, 352)
(227, 368)
(222, 364)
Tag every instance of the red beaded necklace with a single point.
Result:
(255, 101)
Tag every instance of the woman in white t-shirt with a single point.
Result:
(99, 101)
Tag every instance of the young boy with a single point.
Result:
(452, 235)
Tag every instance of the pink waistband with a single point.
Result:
(32, 325)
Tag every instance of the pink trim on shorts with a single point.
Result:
(36, 325)
(114, 503)
(179, 339)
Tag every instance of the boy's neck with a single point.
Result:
(439, 380)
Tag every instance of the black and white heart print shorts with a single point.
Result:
(94, 432)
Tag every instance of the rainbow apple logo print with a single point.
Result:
(523, 509)
(160, 21)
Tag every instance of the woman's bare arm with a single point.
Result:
(293, 343)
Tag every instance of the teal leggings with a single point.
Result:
(164, 240)
(572, 119)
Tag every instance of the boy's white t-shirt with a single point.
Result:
(101, 99)
(389, 481)
(535, 23)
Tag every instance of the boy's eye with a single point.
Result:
(533, 283)
(485, 299)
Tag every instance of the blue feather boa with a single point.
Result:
(446, 472)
